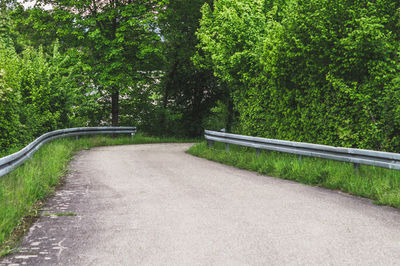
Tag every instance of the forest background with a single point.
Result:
(320, 71)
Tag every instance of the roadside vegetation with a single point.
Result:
(379, 184)
(318, 71)
(23, 190)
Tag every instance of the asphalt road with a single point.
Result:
(156, 205)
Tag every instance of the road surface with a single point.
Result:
(156, 205)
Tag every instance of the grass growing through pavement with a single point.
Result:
(60, 214)
(22, 191)
(379, 184)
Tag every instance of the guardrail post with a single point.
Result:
(258, 152)
(299, 158)
(210, 143)
(227, 147)
(356, 167)
(76, 137)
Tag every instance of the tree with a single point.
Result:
(230, 35)
(188, 92)
(7, 34)
(118, 37)
(35, 27)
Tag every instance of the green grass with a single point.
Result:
(379, 184)
(22, 191)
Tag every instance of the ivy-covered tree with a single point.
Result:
(230, 35)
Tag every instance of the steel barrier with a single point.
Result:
(10, 162)
(355, 156)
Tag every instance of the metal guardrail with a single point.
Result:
(355, 156)
(10, 162)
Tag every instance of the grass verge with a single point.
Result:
(23, 190)
(379, 184)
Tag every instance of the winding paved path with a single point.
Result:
(156, 205)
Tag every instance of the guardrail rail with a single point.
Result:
(10, 162)
(351, 155)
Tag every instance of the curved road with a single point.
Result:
(155, 205)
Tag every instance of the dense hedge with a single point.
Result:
(318, 71)
(9, 98)
(37, 94)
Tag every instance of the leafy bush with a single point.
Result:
(10, 98)
(316, 71)
(38, 94)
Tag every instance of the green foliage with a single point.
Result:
(48, 84)
(47, 90)
(316, 71)
(10, 97)
(120, 42)
(41, 89)
(217, 119)
(229, 33)
(187, 92)
(38, 93)
(34, 27)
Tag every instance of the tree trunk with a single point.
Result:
(164, 114)
(230, 115)
(168, 87)
(114, 108)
